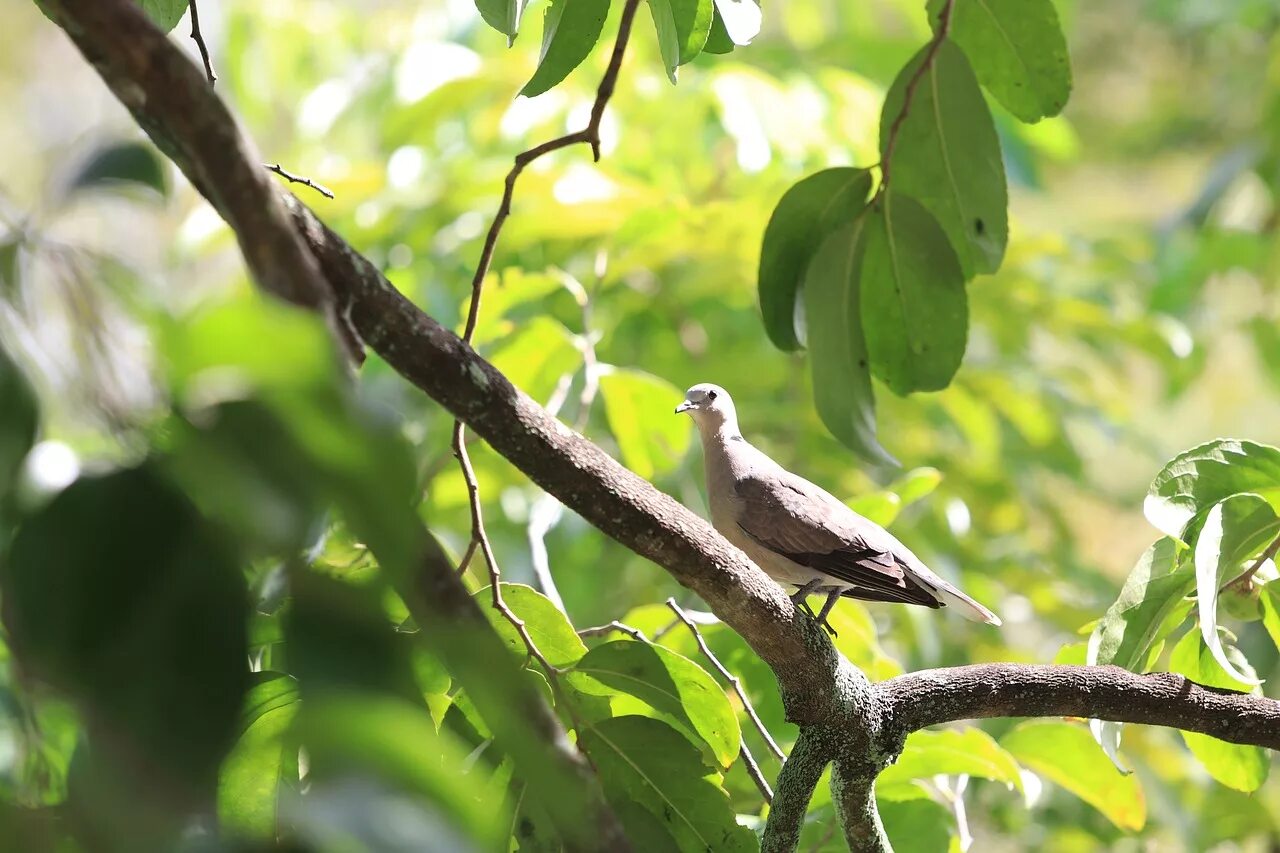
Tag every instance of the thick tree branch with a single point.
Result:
(919, 699)
(853, 790)
(799, 776)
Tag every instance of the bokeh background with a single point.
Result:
(1137, 312)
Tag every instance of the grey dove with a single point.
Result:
(801, 535)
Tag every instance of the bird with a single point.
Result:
(801, 535)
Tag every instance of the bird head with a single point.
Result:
(708, 404)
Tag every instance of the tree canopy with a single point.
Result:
(1001, 275)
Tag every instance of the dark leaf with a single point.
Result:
(569, 31)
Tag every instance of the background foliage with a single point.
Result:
(1132, 314)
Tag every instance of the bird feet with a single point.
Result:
(800, 599)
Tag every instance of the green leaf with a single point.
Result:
(1192, 482)
(1064, 754)
(1270, 595)
(646, 762)
(1234, 530)
(1150, 605)
(718, 41)
(120, 595)
(914, 310)
(549, 628)
(638, 407)
(120, 165)
(837, 351)
(882, 507)
(917, 825)
(1017, 50)
(683, 27)
(1237, 766)
(804, 216)
(951, 752)
(917, 484)
(667, 682)
(19, 423)
(947, 156)
(165, 14)
(502, 15)
(263, 760)
(569, 31)
(536, 355)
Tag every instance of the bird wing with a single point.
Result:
(797, 520)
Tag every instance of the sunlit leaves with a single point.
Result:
(1151, 603)
(951, 752)
(1018, 51)
(121, 165)
(569, 30)
(645, 762)
(111, 571)
(947, 156)
(804, 216)
(682, 27)
(1234, 529)
(1192, 482)
(549, 628)
(915, 312)
(1064, 754)
(669, 683)
(639, 406)
(263, 762)
(502, 15)
(1235, 765)
(837, 352)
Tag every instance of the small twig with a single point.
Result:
(1242, 582)
(198, 38)
(944, 27)
(465, 562)
(615, 625)
(753, 770)
(728, 676)
(298, 179)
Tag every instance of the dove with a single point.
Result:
(801, 535)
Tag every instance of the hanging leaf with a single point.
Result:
(1151, 604)
(837, 351)
(914, 310)
(667, 682)
(1017, 50)
(947, 156)
(951, 752)
(502, 15)
(165, 14)
(1234, 530)
(120, 165)
(1237, 766)
(569, 30)
(1192, 482)
(646, 762)
(718, 41)
(1062, 753)
(683, 27)
(804, 216)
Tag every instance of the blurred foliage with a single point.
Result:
(225, 457)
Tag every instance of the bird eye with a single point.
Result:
(711, 395)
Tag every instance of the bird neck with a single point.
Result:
(721, 432)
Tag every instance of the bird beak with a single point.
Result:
(684, 407)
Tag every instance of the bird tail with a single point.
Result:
(968, 608)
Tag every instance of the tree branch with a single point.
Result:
(927, 698)
(198, 38)
(853, 790)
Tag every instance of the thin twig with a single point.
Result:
(728, 676)
(615, 625)
(1242, 582)
(944, 27)
(198, 38)
(753, 770)
(298, 179)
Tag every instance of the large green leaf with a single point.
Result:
(1151, 603)
(915, 824)
(638, 406)
(1237, 766)
(683, 27)
(914, 310)
(502, 15)
(120, 595)
(947, 156)
(1018, 51)
(1192, 482)
(262, 761)
(547, 625)
(667, 682)
(646, 762)
(837, 351)
(18, 424)
(1270, 596)
(1235, 529)
(1064, 753)
(569, 31)
(951, 752)
(804, 216)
